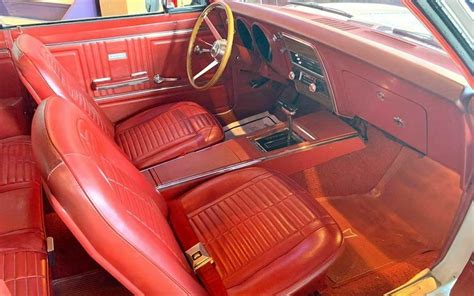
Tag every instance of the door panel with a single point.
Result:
(118, 49)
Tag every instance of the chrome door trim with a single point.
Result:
(248, 163)
(126, 96)
(123, 38)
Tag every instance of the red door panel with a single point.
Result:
(129, 48)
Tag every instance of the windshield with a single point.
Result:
(389, 16)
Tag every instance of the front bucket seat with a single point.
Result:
(261, 233)
(148, 138)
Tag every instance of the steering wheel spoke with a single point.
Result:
(213, 29)
(205, 42)
(206, 69)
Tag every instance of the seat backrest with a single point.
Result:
(44, 76)
(117, 216)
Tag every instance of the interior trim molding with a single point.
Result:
(122, 38)
(248, 163)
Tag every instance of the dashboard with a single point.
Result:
(403, 88)
(305, 66)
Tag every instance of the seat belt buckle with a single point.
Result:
(198, 256)
(50, 251)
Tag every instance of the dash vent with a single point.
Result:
(341, 25)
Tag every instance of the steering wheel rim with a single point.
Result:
(221, 48)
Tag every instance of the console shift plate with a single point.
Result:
(280, 139)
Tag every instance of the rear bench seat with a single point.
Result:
(23, 261)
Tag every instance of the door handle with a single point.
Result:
(106, 82)
(160, 79)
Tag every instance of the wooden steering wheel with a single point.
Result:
(220, 50)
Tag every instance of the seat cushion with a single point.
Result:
(259, 228)
(17, 168)
(23, 262)
(166, 132)
(21, 209)
(24, 272)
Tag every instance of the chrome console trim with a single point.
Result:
(248, 163)
(305, 132)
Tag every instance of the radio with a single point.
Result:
(314, 84)
(307, 70)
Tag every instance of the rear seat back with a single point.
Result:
(17, 163)
(23, 259)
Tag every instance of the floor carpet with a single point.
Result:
(354, 173)
(374, 237)
(92, 283)
(395, 208)
(385, 279)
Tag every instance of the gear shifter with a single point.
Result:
(289, 110)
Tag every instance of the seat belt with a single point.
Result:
(50, 251)
(203, 266)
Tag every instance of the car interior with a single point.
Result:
(244, 149)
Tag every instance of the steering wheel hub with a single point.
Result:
(218, 49)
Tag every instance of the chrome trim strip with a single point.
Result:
(103, 79)
(121, 38)
(122, 84)
(296, 39)
(141, 73)
(226, 169)
(248, 163)
(126, 96)
(305, 132)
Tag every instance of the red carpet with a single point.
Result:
(383, 280)
(396, 208)
(355, 173)
(92, 283)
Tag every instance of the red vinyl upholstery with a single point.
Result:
(178, 128)
(148, 138)
(257, 226)
(23, 263)
(107, 204)
(260, 228)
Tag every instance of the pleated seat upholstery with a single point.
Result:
(265, 234)
(23, 259)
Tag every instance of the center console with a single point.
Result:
(308, 141)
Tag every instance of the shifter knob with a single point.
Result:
(289, 110)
